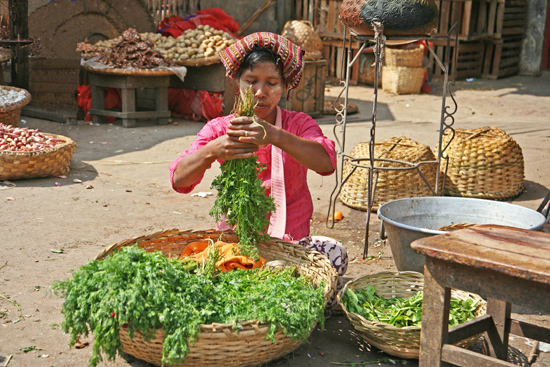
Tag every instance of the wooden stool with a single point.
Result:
(506, 265)
(128, 84)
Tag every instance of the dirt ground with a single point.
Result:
(118, 189)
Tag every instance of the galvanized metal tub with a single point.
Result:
(406, 220)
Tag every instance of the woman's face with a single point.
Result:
(267, 86)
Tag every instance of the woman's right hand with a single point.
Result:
(227, 148)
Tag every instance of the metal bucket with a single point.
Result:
(406, 220)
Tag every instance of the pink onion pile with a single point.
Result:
(20, 139)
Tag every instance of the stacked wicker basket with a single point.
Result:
(222, 344)
(302, 33)
(10, 113)
(403, 71)
(401, 342)
(484, 163)
(396, 180)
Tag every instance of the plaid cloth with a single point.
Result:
(291, 55)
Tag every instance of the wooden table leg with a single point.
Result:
(498, 336)
(435, 308)
(98, 103)
(128, 96)
(162, 104)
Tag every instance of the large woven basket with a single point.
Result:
(401, 342)
(411, 56)
(10, 114)
(47, 162)
(402, 79)
(394, 181)
(219, 344)
(484, 163)
(302, 33)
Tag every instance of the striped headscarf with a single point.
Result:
(291, 55)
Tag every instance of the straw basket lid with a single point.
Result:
(47, 162)
(302, 33)
(219, 344)
(401, 342)
(484, 163)
(12, 98)
(394, 182)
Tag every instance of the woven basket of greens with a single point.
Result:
(140, 298)
(385, 309)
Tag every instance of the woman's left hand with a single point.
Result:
(251, 130)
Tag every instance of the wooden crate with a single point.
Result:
(330, 26)
(53, 83)
(477, 19)
(502, 57)
(466, 59)
(309, 95)
(337, 59)
(511, 19)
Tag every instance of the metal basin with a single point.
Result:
(406, 220)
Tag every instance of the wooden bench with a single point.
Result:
(506, 265)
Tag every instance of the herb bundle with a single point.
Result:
(148, 291)
(241, 198)
(401, 312)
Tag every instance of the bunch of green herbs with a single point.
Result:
(241, 199)
(147, 291)
(401, 312)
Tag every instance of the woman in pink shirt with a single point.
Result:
(288, 143)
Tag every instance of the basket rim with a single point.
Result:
(33, 153)
(213, 327)
(19, 104)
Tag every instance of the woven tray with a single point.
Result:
(412, 57)
(401, 342)
(484, 163)
(203, 61)
(10, 115)
(219, 344)
(392, 184)
(47, 162)
(402, 80)
(118, 71)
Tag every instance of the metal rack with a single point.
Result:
(339, 130)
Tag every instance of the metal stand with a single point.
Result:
(339, 130)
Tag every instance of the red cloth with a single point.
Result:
(215, 17)
(111, 100)
(195, 105)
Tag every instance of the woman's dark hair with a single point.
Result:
(260, 54)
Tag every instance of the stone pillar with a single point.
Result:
(533, 43)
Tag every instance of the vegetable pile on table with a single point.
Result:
(401, 312)
(146, 291)
(20, 139)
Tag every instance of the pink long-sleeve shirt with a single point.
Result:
(299, 205)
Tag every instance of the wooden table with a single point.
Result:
(506, 265)
(128, 83)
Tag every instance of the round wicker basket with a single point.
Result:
(402, 79)
(302, 33)
(10, 114)
(220, 344)
(47, 162)
(484, 163)
(401, 342)
(396, 180)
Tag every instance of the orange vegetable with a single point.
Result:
(230, 257)
(193, 248)
(338, 216)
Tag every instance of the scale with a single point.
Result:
(339, 129)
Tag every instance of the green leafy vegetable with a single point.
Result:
(148, 291)
(241, 198)
(401, 312)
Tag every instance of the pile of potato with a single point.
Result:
(204, 41)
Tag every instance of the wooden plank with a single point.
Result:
(467, 358)
(444, 13)
(466, 17)
(498, 334)
(530, 331)
(469, 328)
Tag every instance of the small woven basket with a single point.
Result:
(394, 182)
(484, 163)
(10, 114)
(302, 33)
(47, 162)
(401, 342)
(402, 80)
(220, 344)
(411, 56)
